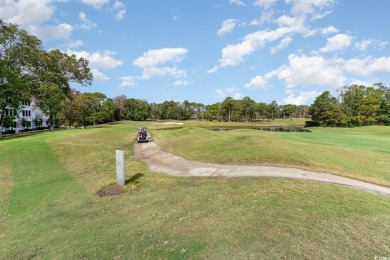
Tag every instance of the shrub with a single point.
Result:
(311, 124)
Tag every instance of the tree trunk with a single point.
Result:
(51, 122)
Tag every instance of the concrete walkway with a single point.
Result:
(162, 161)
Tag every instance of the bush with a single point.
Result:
(10, 131)
(311, 124)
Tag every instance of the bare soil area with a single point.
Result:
(162, 161)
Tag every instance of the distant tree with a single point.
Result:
(71, 109)
(38, 122)
(26, 123)
(56, 72)
(137, 110)
(188, 109)
(303, 111)
(261, 110)
(238, 111)
(107, 111)
(272, 110)
(227, 107)
(213, 111)
(362, 104)
(248, 108)
(171, 110)
(155, 112)
(384, 117)
(9, 121)
(18, 59)
(198, 110)
(120, 102)
(326, 111)
(91, 104)
(289, 111)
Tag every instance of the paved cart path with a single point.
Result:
(162, 161)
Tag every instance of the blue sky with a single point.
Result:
(205, 50)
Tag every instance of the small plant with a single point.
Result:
(132, 186)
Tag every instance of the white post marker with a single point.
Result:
(120, 168)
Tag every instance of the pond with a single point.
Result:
(272, 129)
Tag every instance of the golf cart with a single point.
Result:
(142, 135)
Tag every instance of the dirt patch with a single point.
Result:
(111, 190)
(162, 161)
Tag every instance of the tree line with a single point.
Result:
(83, 109)
(356, 105)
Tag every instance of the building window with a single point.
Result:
(26, 103)
(26, 113)
(10, 112)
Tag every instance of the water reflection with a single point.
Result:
(273, 129)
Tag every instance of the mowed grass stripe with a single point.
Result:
(372, 138)
(40, 186)
(38, 177)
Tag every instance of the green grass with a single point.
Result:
(361, 153)
(49, 208)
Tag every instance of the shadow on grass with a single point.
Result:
(134, 178)
(131, 184)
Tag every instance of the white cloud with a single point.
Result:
(264, 3)
(62, 31)
(316, 8)
(74, 44)
(257, 82)
(232, 92)
(308, 71)
(360, 82)
(382, 44)
(120, 15)
(237, 2)
(337, 43)
(37, 18)
(150, 72)
(294, 24)
(99, 60)
(95, 3)
(128, 81)
(237, 96)
(381, 64)
(99, 76)
(120, 9)
(261, 82)
(233, 55)
(329, 30)
(118, 5)
(227, 26)
(87, 24)
(284, 43)
(266, 11)
(303, 98)
(356, 66)
(181, 83)
(156, 57)
(319, 71)
(15, 12)
(152, 59)
(363, 44)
